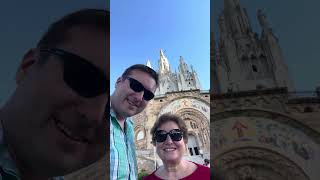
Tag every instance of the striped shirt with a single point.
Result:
(123, 164)
(8, 170)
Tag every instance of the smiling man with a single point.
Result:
(133, 90)
(54, 123)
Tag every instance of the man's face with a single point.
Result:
(59, 130)
(126, 102)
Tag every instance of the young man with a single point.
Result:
(133, 90)
(54, 123)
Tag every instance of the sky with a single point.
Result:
(297, 27)
(22, 24)
(139, 29)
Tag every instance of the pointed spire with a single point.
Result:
(230, 4)
(236, 18)
(148, 64)
(161, 53)
(192, 69)
(163, 63)
(183, 67)
(181, 60)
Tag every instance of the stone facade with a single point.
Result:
(246, 61)
(185, 79)
(260, 128)
(281, 128)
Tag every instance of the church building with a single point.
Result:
(260, 127)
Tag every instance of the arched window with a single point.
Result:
(140, 135)
(254, 68)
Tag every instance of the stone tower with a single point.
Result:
(185, 79)
(258, 128)
(247, 61)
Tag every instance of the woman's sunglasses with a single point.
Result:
(136, 86)
(175, 135)
(80, 75)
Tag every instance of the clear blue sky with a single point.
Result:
(297, 27)
(139, 29)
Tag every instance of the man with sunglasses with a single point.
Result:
(133, 90)
(54, 122)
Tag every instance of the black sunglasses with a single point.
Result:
(136, 86)
(80, 75)
(175, 135)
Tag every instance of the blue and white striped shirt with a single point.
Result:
(123, 163)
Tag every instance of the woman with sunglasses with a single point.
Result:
(169, 136)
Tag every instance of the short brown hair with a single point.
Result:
(142, 68)
(167, 117)
(58, 31)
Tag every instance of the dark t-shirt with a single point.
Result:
(202, 173)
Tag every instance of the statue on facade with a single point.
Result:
(262, 18)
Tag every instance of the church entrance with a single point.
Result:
(193, 147)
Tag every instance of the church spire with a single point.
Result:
(148, 64)
(181, 80)
(163, 63)
(247, 62)
(229, 4)
(236, 18)
(183, 67)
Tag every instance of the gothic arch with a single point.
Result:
(268, 139)
(138, 129)
(257, 163)
(186, 102)
(141, 142)
(201, 128)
